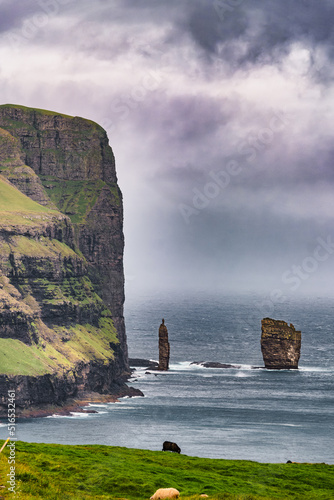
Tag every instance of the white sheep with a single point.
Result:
(165, 493)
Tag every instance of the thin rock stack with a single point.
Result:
(164, 347)
(280, 344)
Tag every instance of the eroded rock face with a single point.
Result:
(61, 258)
(280, 344)
(164, 347)
(71, 159)
(12, 167)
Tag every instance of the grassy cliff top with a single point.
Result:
(46, 112)
(37, 110)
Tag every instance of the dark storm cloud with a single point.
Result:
(267, 28)
(12, 14)
(208, 30)
(252, 33)
(211, 21)
(132, 11)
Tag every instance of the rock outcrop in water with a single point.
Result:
(164, 347)
(280, 344)
(61, 259)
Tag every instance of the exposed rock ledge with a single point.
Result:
(143, 363)
(77, 404)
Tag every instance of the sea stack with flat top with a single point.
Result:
(164, 347)
(280, 344)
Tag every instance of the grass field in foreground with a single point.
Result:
(50, 472)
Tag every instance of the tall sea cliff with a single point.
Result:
(62, 328)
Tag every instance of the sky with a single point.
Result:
(220, 116)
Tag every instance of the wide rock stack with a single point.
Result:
(280, 344)
(164, 347)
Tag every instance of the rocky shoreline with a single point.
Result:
(76, 404)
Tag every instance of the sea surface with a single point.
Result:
(241, 413)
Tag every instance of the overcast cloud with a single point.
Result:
(220, 114)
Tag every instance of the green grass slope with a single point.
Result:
(16, 208)
(50, 472)
(16, 358)
(12, 200)
(76, 198)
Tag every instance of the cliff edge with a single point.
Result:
(61, 259)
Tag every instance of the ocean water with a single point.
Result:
(241, 413)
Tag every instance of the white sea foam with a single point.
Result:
(97, 405)
(81, 415)
(73, 414)
(122, 407)
(123, 402)
(191, 366)
(242, 374)
(182, 366)
(283, 425)
(315, 369)
(55, 415)
(139, 373)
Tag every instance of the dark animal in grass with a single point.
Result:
(169, 446)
